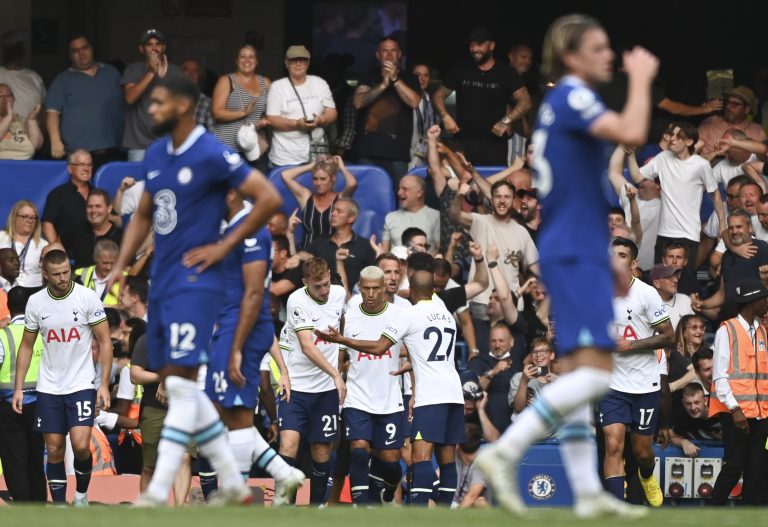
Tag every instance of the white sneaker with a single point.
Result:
(285, 490)
(385, 503)
(81, 500)
(146, 501)
(236, 496)
(501, 474)
(605, 504)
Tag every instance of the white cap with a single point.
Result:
(401, 251)
(248, 140)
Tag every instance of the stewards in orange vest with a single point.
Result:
(740, 397)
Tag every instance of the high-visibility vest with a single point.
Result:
(11, 336)
(87, 275)
(747, 371)
(133, 413)
(103, 464)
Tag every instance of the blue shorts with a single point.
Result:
(383, 432)
(218, 386)
(406, 423)
(442, 424)
(180, 327)
(56, 414)
(582, 302)
(639, 410)
(315, 416)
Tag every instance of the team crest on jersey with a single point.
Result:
(546, 115)
(541, 487)
(185, 175)
(298, 314)
(233, 159)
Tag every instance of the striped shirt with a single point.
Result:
(238, 100)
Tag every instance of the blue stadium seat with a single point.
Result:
(109, 176)
(373, 195)
(31, 180)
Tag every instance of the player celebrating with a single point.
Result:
(634, 395)
(188, 173)
(68, 316)
(244, 334)
(570, 168)
(428, 331)
(373, 409)
(317, 388)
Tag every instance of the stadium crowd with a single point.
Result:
(474, 232)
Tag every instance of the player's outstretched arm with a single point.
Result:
(372, 347)
(23, 359)
(101, 334)
(285, 380)
(306, 340)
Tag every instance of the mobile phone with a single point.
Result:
(310, 120)
(543, 370)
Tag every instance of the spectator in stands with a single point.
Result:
(424, 116)
(675, 254)
(284, 280)
(99, 225)
(95, 276)
(442, 276)
(22, 233)
(27, 86)
(415, 240)
(240, 98)
(475, 405)
(689, 338)
(702, 365)
(664, 279)
(278, 224)
(537, 372)
(133, 297)
(85, 107)
(738, 103)
(385, 98)
(65, 205)
(413, 212)
(530, 210)
(472, 490)
(196, 73)
(711, 230)
(496, 369)
(299, 106)
(483, 89)
(9, 269)
(692, 422)
(684, 177)
(20, 135)
(316, 206)
(138, 80)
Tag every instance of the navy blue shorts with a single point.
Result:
(582, 303)
(314, 416)
(383, 432)
(218, 386)
(639, 410)
(180, 328)
(56, 414)
(442, 424)
(406, 422)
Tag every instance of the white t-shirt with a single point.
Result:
(304, 313)
(429, 332)
(131, 198)
(65, 327)
(28, 89)
(649, 221)
(125, 388)
(677, 307)
(292, 148)
(635, 316)
(30, 274)
(370, 387)
(724, 171)
(682, 186)
(396, 222)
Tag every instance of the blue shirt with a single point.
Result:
(571, 174)
(257, 248)
(188, 187)
(92, 108)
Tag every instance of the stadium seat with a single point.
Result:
(373, 195)
(483, 171)
(109, 176)
(31, 180)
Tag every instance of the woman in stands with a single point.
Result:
(20, 135)
(241, 98)
(690, 339)
(315, 207)
(22, 233)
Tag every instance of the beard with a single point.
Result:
(483, 58)
(165, 127)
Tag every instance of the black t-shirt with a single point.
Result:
(482, 96)
(140, 358)
(361, 255)
(80, 245)
(498, 409)
(453, 298)
(690, 428)
(65, 209)
(736, 269)
(385, 127)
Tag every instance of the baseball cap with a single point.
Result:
(480, 34)
(297, 52)
(743, 93)
(401, 251)
(660, 271)
(152, 33)
(528, 192)
(749, 290)
(248, 140)
(470, 385)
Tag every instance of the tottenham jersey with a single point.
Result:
(64, 324)
(370, 387)
(304, 313)
(428, 330)
(636, 315)
(188, 187)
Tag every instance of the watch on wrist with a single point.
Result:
(492, 264)
(506, 120)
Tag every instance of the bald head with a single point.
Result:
(422, 284)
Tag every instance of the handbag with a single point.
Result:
(262, 138)
(318, 143)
